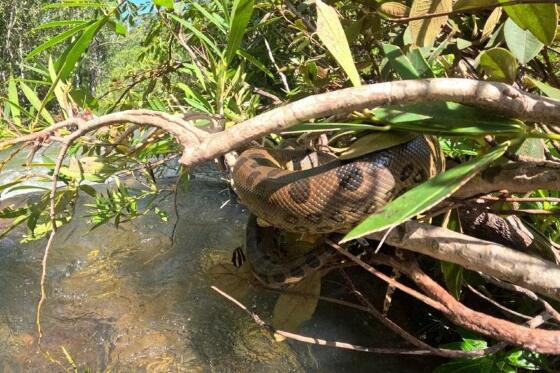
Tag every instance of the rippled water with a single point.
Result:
(128, 300)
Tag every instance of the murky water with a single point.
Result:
(128, 299)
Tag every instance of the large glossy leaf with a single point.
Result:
(57, 39)
(447, 119)
(35, 102)
(14, 101)
(425, 31)
(332, 35)
(499, 64)
(424, 196)
(540, 19)
(522, 43)
(240, 16)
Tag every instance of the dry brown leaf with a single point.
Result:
(233, 281)
(425, 31)
(491, 23)
(292, 310)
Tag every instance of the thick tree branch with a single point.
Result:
(497, 97)
(530, 272)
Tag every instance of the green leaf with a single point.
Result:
(491, 22)
(499, 64)
(35, 102)
(165, 3)
(14, 101)
(258, 64)
(196, 32)
(447, 119)
(57, 39)
(546, 89)
(79, 47)
(420, 63)
(522, 43)
(453, 277)
(399, 62)
(332, 35)
(53, 24)
(323, 127)
(540, 19)
(374, 142)
(469, 4)
(73, 4)
(424, 196)
(240, 17)
(118, 27)
(215, 18)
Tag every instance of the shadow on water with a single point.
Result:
(127, 300)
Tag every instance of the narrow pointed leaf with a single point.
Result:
(14, 101)
(332, 34)
(34, 100)
(240, 17)
(196, 32)
(57, 39)
(424, 196)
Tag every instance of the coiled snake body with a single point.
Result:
(317, 193)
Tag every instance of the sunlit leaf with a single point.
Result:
(522, 43)
(52, 24)
(57, 39)
(447, 118)
(240, 17)
(424, 196)
(547, 89)
(491, 23)
(165, 3)
(499, 64)
(196, 32)
(332, 35)
(470, 4)
(425, 31)
(14, 101)
(392, 9)
(540, 19)
(35, 102)
(399, 62)
(374, 142)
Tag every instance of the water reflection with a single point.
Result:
(128, 300)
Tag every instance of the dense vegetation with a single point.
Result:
(232, 60)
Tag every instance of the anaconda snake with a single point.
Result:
(318, 193)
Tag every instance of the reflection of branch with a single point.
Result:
(496, 97)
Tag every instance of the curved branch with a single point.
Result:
(539, 275)
(497, 97)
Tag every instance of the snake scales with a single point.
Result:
(317, 193)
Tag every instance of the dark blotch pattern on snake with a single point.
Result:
(317, 193)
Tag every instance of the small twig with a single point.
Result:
(318, 341)
(520, 199)
(525, 212)
(430, 302)
(280, 73)
(528, 293)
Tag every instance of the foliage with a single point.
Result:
(235, 58)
